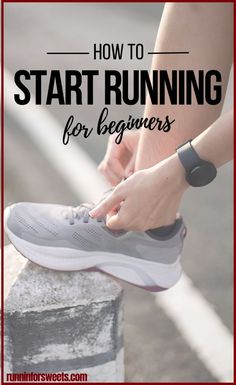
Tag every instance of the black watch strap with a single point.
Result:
(188, 156)
(199, 172)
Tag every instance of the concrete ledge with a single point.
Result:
(63, 321)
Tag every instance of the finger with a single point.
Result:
(120, 220)
(116, 221)
(112, 177)
(130, 167)
(115, 167)
(107, 205)
(100, 166)
(131, 140)
(119, 154)
(113, 164)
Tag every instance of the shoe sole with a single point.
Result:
(142, 273)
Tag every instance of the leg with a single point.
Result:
(209, 40)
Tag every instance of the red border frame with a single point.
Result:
(2, 152)
(2, 189)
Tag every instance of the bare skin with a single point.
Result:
(127, 208)
(119, 160)
(151, 196)
(206, 32)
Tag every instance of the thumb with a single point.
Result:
(107, 205)
(114, 221)
(119, 220)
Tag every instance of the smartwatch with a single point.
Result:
(199, 172)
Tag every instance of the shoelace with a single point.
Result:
(79, 212)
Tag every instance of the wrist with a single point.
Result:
(177, 171)
(172, 171)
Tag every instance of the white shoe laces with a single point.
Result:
(79, 212)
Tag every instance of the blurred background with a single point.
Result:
(156, 349)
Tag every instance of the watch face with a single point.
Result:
(201, 175)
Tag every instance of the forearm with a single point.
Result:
(216, 143)
(205, 30)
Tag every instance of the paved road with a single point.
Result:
(155, 349)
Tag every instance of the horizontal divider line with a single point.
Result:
(68, 53)
(169, 53)
(149, 53)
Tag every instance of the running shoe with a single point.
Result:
(66, 238)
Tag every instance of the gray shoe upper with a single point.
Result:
(47, 225)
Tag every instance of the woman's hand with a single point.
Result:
(119, 159)
(148, 199)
